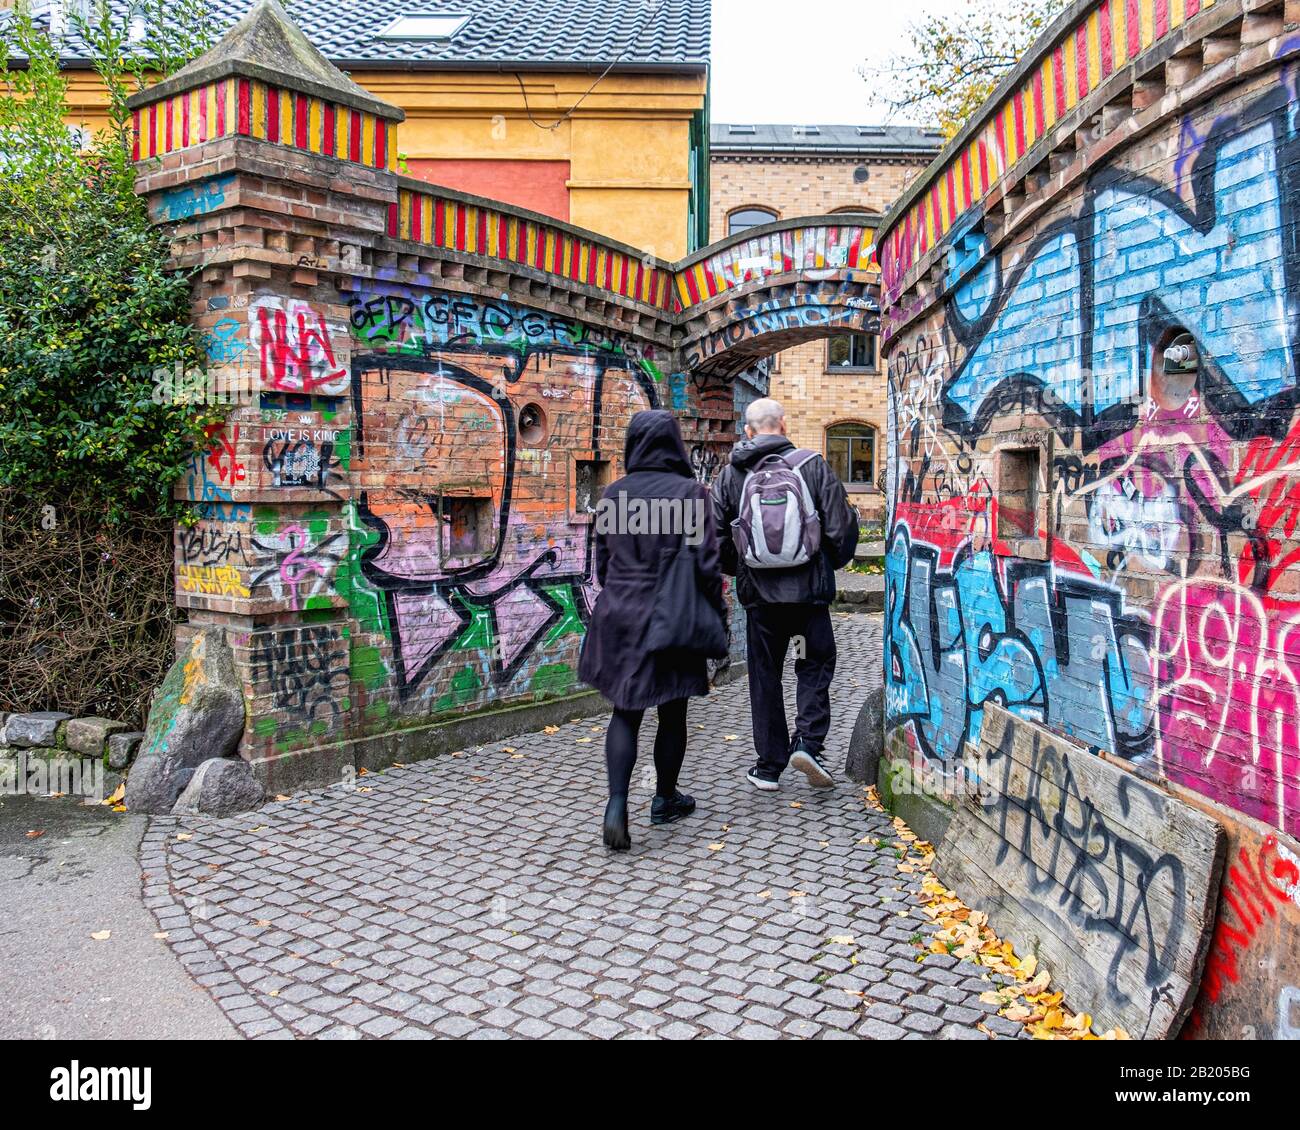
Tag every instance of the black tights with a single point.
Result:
(670, 747)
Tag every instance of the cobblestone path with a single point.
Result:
(470, 897)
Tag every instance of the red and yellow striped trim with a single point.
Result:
(817, 247)
(1110, 36)
(249, 108)
(457, 225)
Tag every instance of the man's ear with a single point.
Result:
(749, 432)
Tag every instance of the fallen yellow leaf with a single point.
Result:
(116, 798)
(102, 935)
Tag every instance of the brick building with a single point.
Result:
(833, 390)
(588, 111)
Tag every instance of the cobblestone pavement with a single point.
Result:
(471, 897)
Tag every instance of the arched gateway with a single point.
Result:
(394, 524)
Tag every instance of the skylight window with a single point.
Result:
(424, 26)
(871, 131)
(740, 129)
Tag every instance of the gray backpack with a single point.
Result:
(777, 525)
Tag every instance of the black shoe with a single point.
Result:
(668, 810)
(616, 837)
(813, 767)
(763, 780)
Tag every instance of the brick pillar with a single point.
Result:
(271, 170)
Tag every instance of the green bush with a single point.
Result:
(89, 312)
(90, 320)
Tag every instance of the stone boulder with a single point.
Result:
(88, 736)
(122, 748)
(867, 742)
(222, 786)
(197, 714)
(30, 731)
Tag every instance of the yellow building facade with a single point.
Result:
(626, 163)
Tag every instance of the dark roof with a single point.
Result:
(519, 34)
(823, 139)
(267, 45)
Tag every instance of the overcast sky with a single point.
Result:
(796, 61)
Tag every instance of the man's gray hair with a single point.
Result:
(764, 415)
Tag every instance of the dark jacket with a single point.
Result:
(813, 583)
(614, 656)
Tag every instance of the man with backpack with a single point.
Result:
(785, 525)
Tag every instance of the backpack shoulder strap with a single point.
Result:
(799, 457)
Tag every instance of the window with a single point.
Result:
(741, 129)
(851, 452)
(423, 26)
(745, 218)
(851, 352)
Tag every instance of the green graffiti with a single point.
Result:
(478, 632)
(652, 369)
(367, 606)
(569, 623)
(552, 679)
(368, 667)
(465, 686)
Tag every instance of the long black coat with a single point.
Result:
(614, 656)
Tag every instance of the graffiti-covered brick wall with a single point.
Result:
(1091, 316)
(402, 516)
(421, 395)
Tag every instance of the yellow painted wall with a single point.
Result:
(628, 141)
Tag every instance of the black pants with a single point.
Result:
(670, 747)
(771, 629)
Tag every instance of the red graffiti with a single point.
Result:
(297, 354)
(1267, 471)
(221, 456)
(1249, 896)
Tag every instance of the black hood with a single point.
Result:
(654, 443)
(749, 451)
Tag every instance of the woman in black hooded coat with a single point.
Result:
(615, 659)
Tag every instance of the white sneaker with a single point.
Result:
(812, 767)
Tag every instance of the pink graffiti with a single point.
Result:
(295, 566)
(1229, 678)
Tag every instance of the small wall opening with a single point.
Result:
(466, 522)
(590, 478)
(1018, 471)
